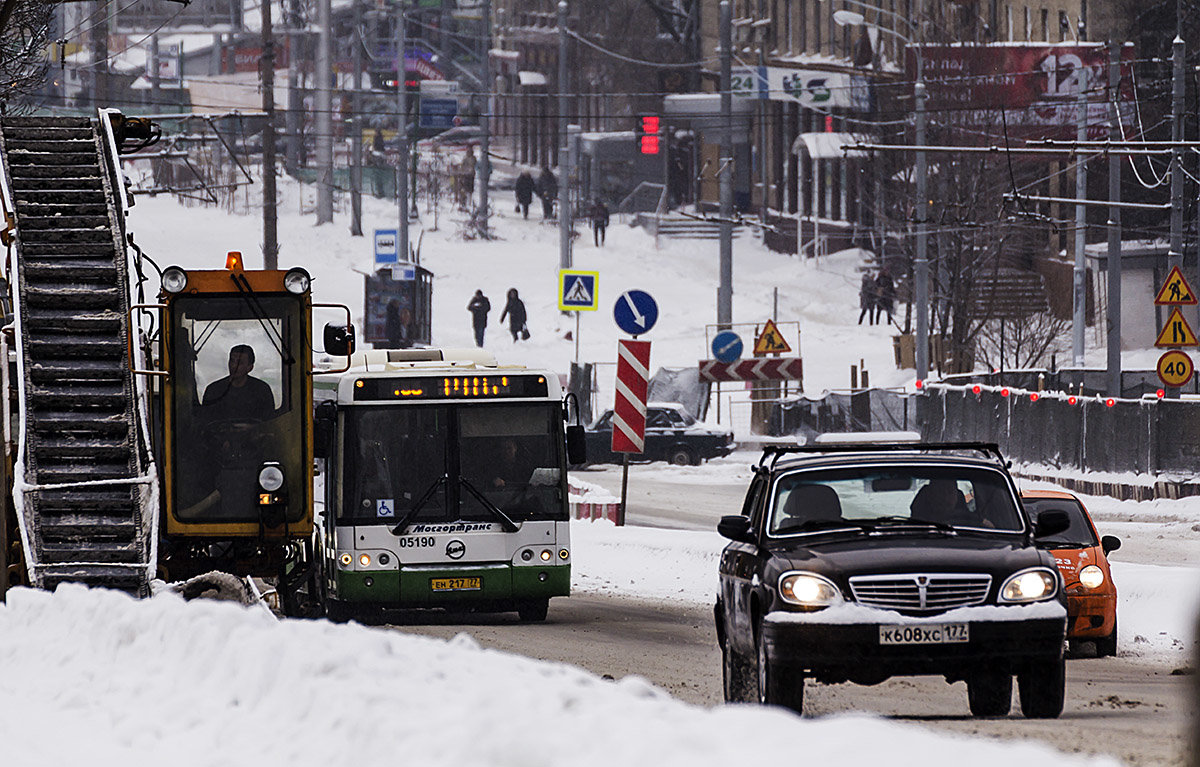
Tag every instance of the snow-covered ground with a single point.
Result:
(97, 678)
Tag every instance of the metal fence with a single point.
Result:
(862, 410)
(1144, 436)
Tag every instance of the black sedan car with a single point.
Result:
(672, 434)
(858, 563)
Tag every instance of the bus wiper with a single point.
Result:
(260, 314)
(505, 520)
(411, 514)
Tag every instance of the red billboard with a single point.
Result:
(1019, 90)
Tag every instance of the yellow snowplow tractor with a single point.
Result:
(235, 411)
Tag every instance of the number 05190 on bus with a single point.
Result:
(445, 485)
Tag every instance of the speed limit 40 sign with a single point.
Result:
(1175, 368)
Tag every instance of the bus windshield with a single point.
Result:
(453, 463)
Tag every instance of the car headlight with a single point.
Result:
(270, 477)
(1091, 577)
(1029, 586)
(808, 590)
(296, 281)
(174, 279)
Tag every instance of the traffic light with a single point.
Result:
(646, 133)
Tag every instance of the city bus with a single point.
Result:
(445, 485)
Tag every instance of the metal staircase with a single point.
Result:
(85, 490)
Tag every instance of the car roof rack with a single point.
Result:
(775, 452)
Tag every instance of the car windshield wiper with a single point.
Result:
(411, 514)
(815, 525)
(897, 521)
(505, 520)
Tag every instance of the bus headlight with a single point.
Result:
(546, 555)
(1091, 577)
(346, 559)
(174, 279)
(563, 554)
(1029, 586)
(270, 477)
(364, 560)
(297, 281)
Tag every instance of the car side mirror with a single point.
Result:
(1050, 522)
(576, 445)
(324, 419)
(736, 528)
(339, 340)
(1109, 543)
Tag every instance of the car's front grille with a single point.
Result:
(921, 592)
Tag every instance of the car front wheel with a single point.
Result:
(1107, 646)
(1042, 688)
(682, 456)
(777, 687)
(736, 680)
(989, 693)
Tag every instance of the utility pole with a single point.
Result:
(1079, 275)
(921, 262)
(725, 172)
(356, 125)
(485, 160)
(1175, 255)
(1114, 225)
(99, 33)
(324, 105)
(564, 149)
(402, 136)
(267, 69)
(297, 46)
(762, 114)
(155, 68)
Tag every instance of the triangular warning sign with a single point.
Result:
(770, 341)
(1175, 290)
(1176, 332)
(578, 293)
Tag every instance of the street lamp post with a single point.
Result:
(920, 297)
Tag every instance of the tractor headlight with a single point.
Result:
(1029, 586)
(297, 281)
(270, 477)
(174, 279)
(1091, 577)
(808, 590)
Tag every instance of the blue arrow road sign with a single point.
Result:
(635, 312)
(727, 346)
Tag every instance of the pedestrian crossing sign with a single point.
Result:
(577, 290)
(770, 341)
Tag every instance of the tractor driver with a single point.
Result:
(239, 396)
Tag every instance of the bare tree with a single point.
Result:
(24, 26)
(1027, 342)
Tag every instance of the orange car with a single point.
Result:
(1082, 558)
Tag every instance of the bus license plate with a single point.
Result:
(929, 633)
(457, 584)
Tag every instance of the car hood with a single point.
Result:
(1071, 561)
(861, 555)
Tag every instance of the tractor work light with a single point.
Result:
(270, 477)
(174, 279)
(297, 281)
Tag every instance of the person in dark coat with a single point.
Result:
(599, 214)
(885, 293)
(398, 326)
(515, 311)
(866, 298)
(525, 188)
(547, 189)
(479, 308)
(239, 396)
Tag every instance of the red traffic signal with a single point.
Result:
(647, 133)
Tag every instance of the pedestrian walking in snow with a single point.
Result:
(479, 308)
(885, 293)
(866, 299)
(514, 309)
(547, 189)
(525, 186)
(599, 215)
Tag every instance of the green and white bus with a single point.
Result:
(445, 485)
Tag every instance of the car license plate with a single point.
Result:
(457, 584)
(929, 633)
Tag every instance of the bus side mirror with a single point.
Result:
(324, 419)
(339, 340)
(576, 446)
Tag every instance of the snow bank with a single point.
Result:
(98, 678)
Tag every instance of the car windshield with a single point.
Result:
(1078, 535)
(875, 498)
(453, 463)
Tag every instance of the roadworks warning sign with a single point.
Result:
(770, 341)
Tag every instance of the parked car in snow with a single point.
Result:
(1082, 557)
(859, 562)
(672, 434)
